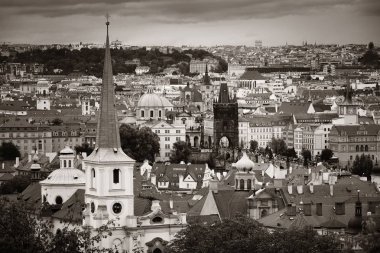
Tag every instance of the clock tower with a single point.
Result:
(108, 170)
(349, 109)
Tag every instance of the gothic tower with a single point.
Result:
(109, 171)
(226, 120)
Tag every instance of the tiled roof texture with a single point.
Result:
(252, 75)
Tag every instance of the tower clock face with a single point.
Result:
(116, 208)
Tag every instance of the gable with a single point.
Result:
(209, 206)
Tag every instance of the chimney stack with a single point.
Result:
(331, 190)
(311, 188)
(290, 189)
(171, 203)
(29, 158)
(2, 166)
(213, 185)
(300, 189)
(17, 162)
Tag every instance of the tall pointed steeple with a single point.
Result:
(206, 79)
(108, 130)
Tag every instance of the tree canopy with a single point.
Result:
(16, 185)
(278, 146)
(180, 152)
(362, 166)
(306, 154)
(139, 144)
(370, 57)
(8, 151)
(253, 145)
(85, 147)
(326, 154)
(241, 234)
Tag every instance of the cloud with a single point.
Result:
(187, 11)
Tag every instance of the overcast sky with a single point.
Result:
(191, 22)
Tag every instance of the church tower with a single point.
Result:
(207, 92)
(349, 109)
(226, 124)
(109, 171)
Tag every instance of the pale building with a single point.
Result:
(62, 183)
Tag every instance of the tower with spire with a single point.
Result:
(348, 109)
(109, 171)
(207, 90)
(226, 118)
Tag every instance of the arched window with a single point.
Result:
(64, 164)
(361, 148)
(159, 114)
(357, 148)
(116, 176)
(142, 114)
(69, 163)
(249, 184)
(241, 184)
(366, 148)
(151, 113)
(264, 213)
(237, 184)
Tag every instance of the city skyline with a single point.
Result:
(176, 22)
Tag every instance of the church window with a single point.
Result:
(116, 176)
(92, 177)
(69, 163)
(116, 208)
(58, 200)
(92, 207)
(366, 148)
(64, 164)
(142, 114)
(151, 114)
(159, 113)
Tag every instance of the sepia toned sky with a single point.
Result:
(191, 22)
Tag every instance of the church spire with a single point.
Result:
(108, 130)
(206, 79)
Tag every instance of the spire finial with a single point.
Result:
(108, 19)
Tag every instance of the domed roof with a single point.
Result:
(66, 151)
(65, 176)
(244, 163)
(151, 99)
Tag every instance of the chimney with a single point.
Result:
(309, 171)
(84, 155)
(311, 187)
(153, 179)
(2, 166)
(300, 189)
(290, 170)
(213, 185)
(290, 189)
(180, 179)
(17, 162)
(171, 203)
(29, 158)
(331, 190)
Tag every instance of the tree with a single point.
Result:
(253, 145)
(306, 154)
(362, 166)
(242, 234)
(370, 57)
(278, 146)
(180, 152)
(16, 185)
(291, 153)
(269, 153)
(85, 147)
(22, 232)
(139, 144)
(326, 154)
(57, 122)
(9, 151)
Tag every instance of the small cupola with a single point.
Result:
(66, 158)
